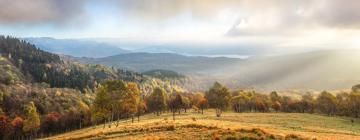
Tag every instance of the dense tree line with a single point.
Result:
(41, 66)
(343, 104)
(116, 100)
(28, 111)
(32, 124)
(221, 99)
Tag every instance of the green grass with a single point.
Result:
(296, 121)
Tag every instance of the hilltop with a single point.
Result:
(294, 126)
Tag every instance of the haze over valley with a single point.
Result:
(307, 70)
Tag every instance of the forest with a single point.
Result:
(42, 95)
(116, 100)
(36, 80)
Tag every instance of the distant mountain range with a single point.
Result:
(326, 69)
(77, 48)
(166, 61)
(103, 47)
(336, 69)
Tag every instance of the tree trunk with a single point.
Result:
(218, 112)
(174, 115)
(104, 124)
(117, 120)
(202, 110)
(138, 116)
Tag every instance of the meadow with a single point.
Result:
(230, 125)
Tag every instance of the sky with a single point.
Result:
(273, 23)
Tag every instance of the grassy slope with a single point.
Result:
(207, 126)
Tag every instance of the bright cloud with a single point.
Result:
(303, 23)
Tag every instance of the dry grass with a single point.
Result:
(229, 126)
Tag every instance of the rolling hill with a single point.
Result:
(166, 61)
(311, 70)
(288, 126)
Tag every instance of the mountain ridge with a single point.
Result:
(74, 47)
(282, 72)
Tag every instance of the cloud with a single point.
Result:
(329, 12)
(250, 17)
(168, 8)
(39, 11)
(337, 13)
(289, 17)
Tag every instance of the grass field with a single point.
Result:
(230, 125)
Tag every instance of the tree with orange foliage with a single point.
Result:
(17, 124)
(203, 104)
(5, 126)
(175, 104)
(132, 100)
(276, 106)
(260, 106)
(51, 122)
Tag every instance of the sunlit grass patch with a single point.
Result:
(229, 126)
